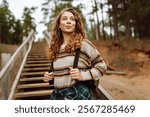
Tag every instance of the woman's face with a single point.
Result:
(67, 22)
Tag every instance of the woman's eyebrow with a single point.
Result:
(68, 16)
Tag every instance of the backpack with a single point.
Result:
(93, 85)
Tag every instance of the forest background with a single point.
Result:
(118, 28)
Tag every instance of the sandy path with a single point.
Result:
(124, 87)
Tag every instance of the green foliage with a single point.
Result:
(17, 35)
(5, 26)
(132, 14)
(28, 20)
(12, 30)
(140, 13)
(52, 12)
(9, 26)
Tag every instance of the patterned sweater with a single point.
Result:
(90, 64)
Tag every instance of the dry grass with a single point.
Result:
(6, 48)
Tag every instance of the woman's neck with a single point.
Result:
(66, 38)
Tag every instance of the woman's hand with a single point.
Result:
(75, 74)
(48, 76)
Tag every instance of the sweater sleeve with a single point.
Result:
(98, 65)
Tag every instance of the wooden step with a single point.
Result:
(36, 69)
(36, 56)
(37, 59)
(35, 85)
(37, 65)
(36, 62)
(32, 74)
(31, 79)
(36, 53)
(31, 84)
(33, 93)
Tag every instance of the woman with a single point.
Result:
(68, 35)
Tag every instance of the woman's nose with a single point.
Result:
(68, 22)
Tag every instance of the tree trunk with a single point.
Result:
(127, 19)
(98, 23)
(115, 20)
(128, 28)
(0, 33)
(101, 6)
(110, 24)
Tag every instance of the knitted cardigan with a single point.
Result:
(91, 65)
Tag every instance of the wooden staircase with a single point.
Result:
(31, 85)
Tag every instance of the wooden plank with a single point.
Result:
(36, 65)
(31, 79)
(32, 74)
(36, 85)
(104, 94)
(37, 59)
(39, 56)
(36, 62)
(37, 53)
(36, 69)
(33, 93)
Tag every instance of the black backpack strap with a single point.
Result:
(76, 59)
(51, 70)
(75, 64)
(51, 67)
(89, 83)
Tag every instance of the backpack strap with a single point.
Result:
(51, 70)
(75, 64)
(91, 84)
(51, 67)
(76, 59)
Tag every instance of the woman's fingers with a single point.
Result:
(74, 76)
(48, 76)
(45, 80)
(75, 73)
(73, 70)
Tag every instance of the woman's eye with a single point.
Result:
(73, 19)
(64, 18)
(67, 18)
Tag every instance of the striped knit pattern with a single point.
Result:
(91, 65)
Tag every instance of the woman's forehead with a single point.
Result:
(67, 13)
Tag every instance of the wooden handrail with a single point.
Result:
(106, 95)
(47, 36)
(6, 72)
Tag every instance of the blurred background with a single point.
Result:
(120, 29)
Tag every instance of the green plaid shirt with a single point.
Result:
(76, 92)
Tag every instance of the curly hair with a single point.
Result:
(57, 37)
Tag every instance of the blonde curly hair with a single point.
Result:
(57, 37)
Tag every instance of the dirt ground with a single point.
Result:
(134, 59)
(125, 88)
